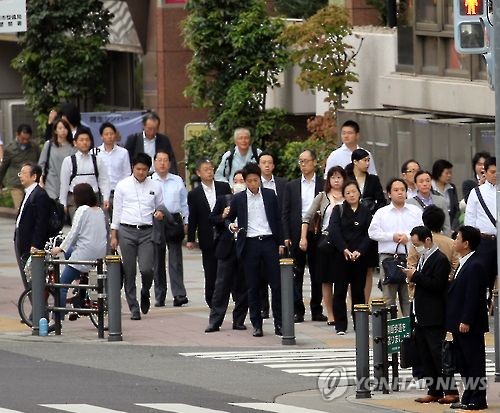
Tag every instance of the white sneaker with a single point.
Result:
(340, 333)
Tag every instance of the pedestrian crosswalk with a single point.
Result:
(309, 362)
(173, 407)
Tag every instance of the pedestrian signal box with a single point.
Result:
(471, 21)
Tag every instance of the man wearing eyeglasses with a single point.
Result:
(298, 196)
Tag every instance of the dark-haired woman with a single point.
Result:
(87, 238)
(53, 153)
(441, 183)
(323, 203)
(372, 197)
(348, 233)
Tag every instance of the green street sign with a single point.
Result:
(397, 329)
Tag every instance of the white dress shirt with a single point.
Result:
(342, 157)
(307, 193)
(117, 163)
(27, 193)
(174, 194)
(389, 220)
(149, 148)
(135, 202)
(271, 184)
(257, 218)
(474, 212)
(210, 194)
(85, 174)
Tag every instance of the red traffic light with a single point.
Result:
(471, 7)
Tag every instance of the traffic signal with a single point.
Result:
(471, 20)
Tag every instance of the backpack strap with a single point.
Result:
(483, 204)
(73, 168)
(46, 168)
(421, 203)
(229, 162)
(255, 155)
(96, 170)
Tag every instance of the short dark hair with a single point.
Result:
(266, 154)
(83, 130)
(250, 168)
(150, 115)
(71, 112)
(334, 169)
(351, 124)
(492, 160)
(314, 156)
(470, 234)
(391, 182)
(477, 156)
(201, 161)
(239, 171)
(433, 218)
(439, 166)
(65, 123)
(106, 125)
(162, 151)
(143, 158)
(404, 167)
(84, 194)
(421, 172)
(35, 170)
(348, 183)
(24, 128)
(421, 232)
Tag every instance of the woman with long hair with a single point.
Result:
(323, 204)
(348, 232)
(53, 153)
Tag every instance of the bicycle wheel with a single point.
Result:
(25, 307)
(94, 317)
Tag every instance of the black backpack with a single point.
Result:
(229, 160)
(74, 169)
(57, 217)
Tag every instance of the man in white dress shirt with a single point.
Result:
(390, 226)
(476, 216)
(175, 201)
(138, 201)
(349, 134)
(83, 167)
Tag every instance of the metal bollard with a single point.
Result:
(395, 359)
(37, 290)
(361, 312)
(101, 277)
(380, 362)
(113, 263)
(497, 335)
(287, 311)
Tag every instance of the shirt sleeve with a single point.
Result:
(65, 175)
(219, 173)
(117, 206)
(471, 208)
(103, 180)
(76, 226)
(184, 203)
(375, 230)
(43, 156)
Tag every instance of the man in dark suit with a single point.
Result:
(150, 141)
(467, 319)
(429, 311)
(201, 201)
(298, 196)
(258, 243)
(31, 231)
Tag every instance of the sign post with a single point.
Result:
(397, 329)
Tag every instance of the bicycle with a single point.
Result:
(82, 298)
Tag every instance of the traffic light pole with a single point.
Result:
(496, 53)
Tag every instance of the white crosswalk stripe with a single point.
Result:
(308, 362)
(80, 408)
(276, 407)
(179, 408)
(9, 411)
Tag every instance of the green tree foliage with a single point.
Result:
(299, 9)
(319, 48)
(63, 56)
(236, 57)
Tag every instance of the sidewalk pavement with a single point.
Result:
(184, 326)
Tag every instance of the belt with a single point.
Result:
(490, 237)
(260, 237)
(137, 226)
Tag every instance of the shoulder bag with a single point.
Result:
(392, 273)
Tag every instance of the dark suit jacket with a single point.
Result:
(454, 208)
(135, 145)
(280, 188)
(239, 209)
(33, 225)
(466, 301)
(224, 239)
(292, 208)
(373, 193)
(199, 212)
(431, 284)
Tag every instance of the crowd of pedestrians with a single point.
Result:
(337, 225)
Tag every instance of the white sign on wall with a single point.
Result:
(12, 16)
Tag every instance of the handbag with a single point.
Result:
(315, 223)
(392, 273)
(324, 244)
(448, 358)
(174, 228)
(409, 352)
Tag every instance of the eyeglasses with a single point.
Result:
(410, 171)
(304, 161)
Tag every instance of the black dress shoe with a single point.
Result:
(458, 406)
(135, 316)
(277, 331)
(239, 327)
(212, 329)
(257, 332)
(180, 300)
(319, 317)
(298, 318)
(160, 304)
(145, 303)
(476, 406)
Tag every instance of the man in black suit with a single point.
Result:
(298, 196)
(31, 231)
(429, 311)
(150, 141)
(467, 319)
(201, 201)
(258, 243)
